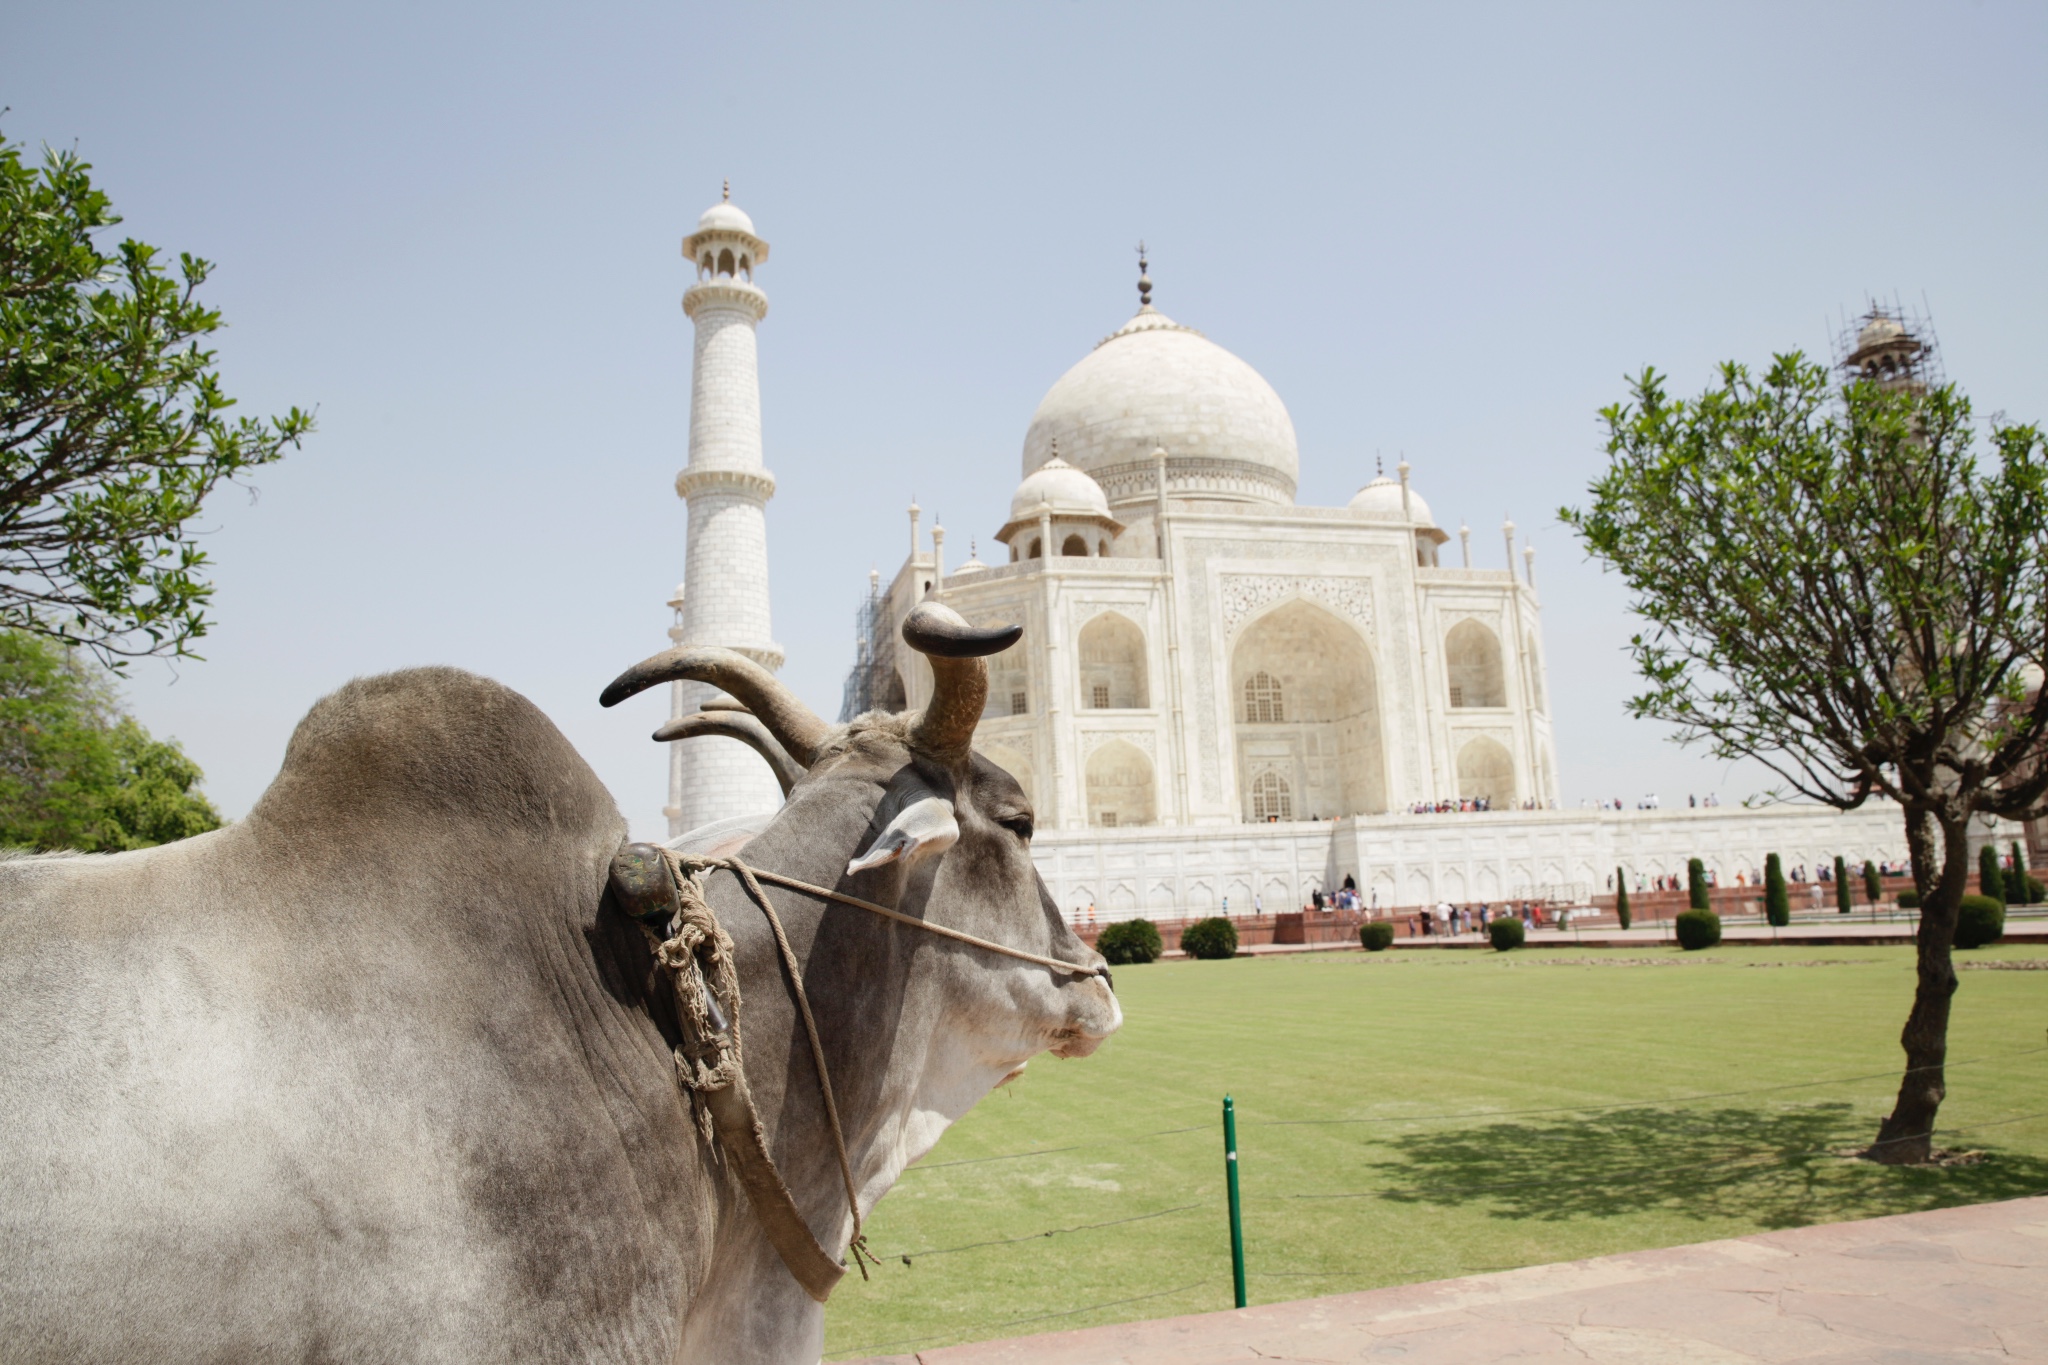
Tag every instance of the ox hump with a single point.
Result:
(433, 743)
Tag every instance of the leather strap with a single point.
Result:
(738, 1125)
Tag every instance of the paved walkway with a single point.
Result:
(1966, 1284)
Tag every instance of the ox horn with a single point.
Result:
(792, 723)
(957, 652)
(737, 724)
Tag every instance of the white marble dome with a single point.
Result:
(1878, 331)
(1380, 500)
(1068, 491)
(1154, 383)
(726, 216)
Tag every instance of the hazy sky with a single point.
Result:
(1448, 231)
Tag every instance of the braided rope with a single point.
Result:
(699, 957)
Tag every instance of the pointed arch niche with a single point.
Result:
(1112, 653)
(1304, 698)
(1120, 791)
(1472, 659)
(1486, 769)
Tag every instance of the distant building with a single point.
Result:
(1198, 649)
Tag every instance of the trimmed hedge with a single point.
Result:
(1990, 876)
(1504, 933)
(1698, 929)
(1909, 899)
(1696, 884)
(1130, 942)
(1621, 898)
(1214, 937)
(1377, 936)
(1777, 899)
(1980, 921)
(1842, 901)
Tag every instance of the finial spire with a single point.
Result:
(1144, 280)
(725, 195)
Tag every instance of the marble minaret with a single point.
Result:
(727, 489)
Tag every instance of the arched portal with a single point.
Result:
(1009, 683)
(1472, 659)
(1305, 707)
(1112, 651)
(1074, 547)
(1120, 787)
(1486, 769)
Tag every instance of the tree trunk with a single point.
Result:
(1907, 1136)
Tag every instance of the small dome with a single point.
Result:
(973, 564)
(726, 216)
(1070, 493)
(1380, 500)
(1879, 330)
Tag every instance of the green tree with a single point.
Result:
(1842, 900)
(74, 772)
(2018, 890)
(1777, 900)
(1696, 885)
(1873, 885)
(113, 423)
(1621, 897)
(1834, 586)
(1990, 877)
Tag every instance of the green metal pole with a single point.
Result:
(1236, 1212)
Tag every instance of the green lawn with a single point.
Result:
(1417, 1114)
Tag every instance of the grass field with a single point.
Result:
(1412, 1115)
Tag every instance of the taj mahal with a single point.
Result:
(1222, 699)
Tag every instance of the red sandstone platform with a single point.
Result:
(1968, 1284)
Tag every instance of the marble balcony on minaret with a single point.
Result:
(727, 489)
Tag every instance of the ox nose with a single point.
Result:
(1093, 1013)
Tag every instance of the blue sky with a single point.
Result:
(1448, 231)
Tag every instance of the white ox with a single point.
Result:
(381, 1073)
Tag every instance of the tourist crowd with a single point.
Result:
(1465, 805)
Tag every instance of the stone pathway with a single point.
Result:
(1968, 1284)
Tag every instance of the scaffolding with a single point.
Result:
(872, 684)
(1890, 345)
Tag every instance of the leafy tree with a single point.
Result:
(1621, 897)
(1696, 885)
(1777, 899)
(1843, 903)
(2020, 887)
(1990, 877)
(1834, 586)
(113, 423)
(74, 773)
(1873, 885)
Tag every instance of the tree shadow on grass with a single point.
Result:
(1772, 1168)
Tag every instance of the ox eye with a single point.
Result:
(1019, 825)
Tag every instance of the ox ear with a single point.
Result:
(919, 830)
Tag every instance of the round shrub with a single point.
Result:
(1129, 942)
(1698, 929)
(1212, 937)
(1909, 900)
(1377, 936)
(1504, 933)
(1979, 921)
